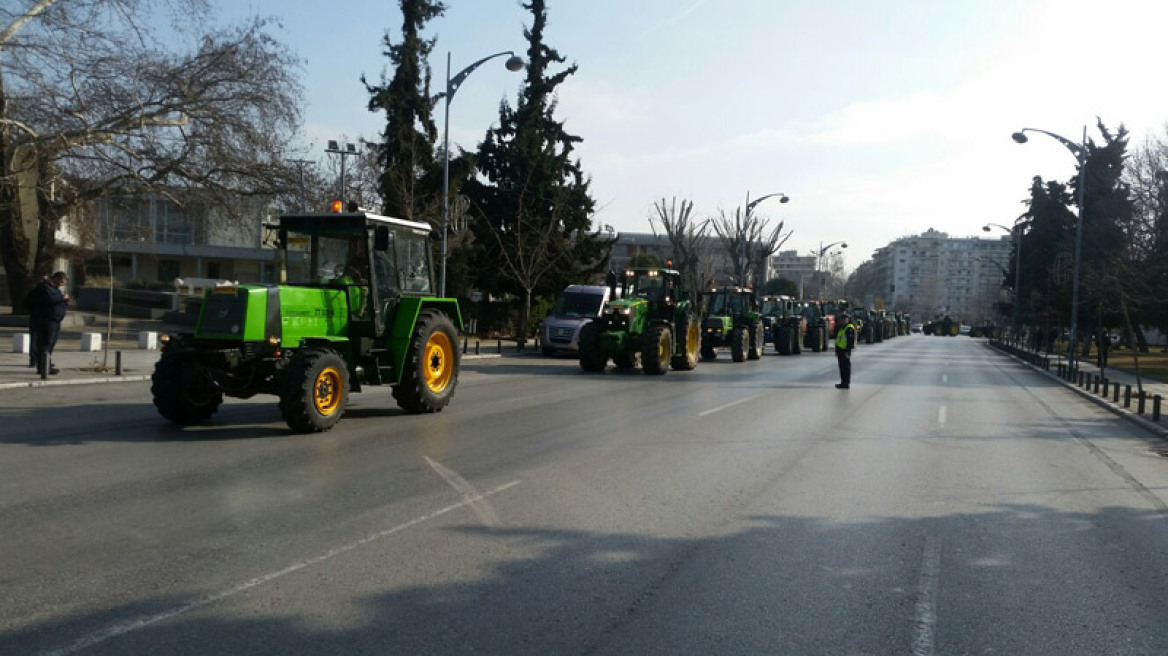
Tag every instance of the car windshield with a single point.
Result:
(577, 304)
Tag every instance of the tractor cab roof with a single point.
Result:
(348, 222)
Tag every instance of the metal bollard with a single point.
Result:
(465, 343)
(1156, 408)
(1115, 399)
(477, 344)
(1095, 380)
(1140, 402)
(1127, 396)
(117, 363)
(1060, 370)
(1105, 387)
(500, 346)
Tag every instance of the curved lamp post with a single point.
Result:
(1079, 150)
(819, 262)
(1016, 231)
(514, 63)
(783, 198)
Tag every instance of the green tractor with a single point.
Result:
(653, 320)
(783, 324)
(358, 307)
(732, 319)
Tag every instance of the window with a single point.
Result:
(168, 270)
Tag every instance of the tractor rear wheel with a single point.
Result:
(592, 359)
(756, 341)
(431, 369)
(314, 390)
(739, 339)
(796, 340)
(181, 392)
(693, 344)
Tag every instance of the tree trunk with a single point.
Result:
(524, 317)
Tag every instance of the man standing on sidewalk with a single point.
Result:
(46, 309)
(845, 341)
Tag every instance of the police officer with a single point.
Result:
(845, 341)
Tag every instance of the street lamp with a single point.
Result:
(819, 263)
(348, 151)
(783, 198)
(1080, 152)
(1016, 231)
(514, 63)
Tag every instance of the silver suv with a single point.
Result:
(576, 306)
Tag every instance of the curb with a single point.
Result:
(1157, 430)
(144, 377)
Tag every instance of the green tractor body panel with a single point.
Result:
(358, 309)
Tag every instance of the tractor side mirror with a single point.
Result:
(381, 238)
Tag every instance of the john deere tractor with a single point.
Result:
(732, 319)
(653, 320)
(783, 324)
(357, 308)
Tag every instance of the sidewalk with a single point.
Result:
(79, 367)
(1115, 377)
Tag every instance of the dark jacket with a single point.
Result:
(46, 303)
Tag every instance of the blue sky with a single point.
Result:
(879, 118)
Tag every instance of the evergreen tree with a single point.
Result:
(1048, 248)
(531, 203)
(411, 179)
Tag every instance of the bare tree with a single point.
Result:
(686, 234)
(748, 241)
(93, 103)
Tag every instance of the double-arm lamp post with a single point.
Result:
(514, 63)
(819, 263)
(1079, 150)
(783, 198)
(1016, 231)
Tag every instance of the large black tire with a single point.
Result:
(756, 342)
(739, 343)
(181, 392)
(431, 370)
(591, 358)
(709, 351)
(657, 350)
(693, 345)
(314, 390)
(796, 340)
(783, 339)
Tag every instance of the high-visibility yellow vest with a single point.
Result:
(841, 338)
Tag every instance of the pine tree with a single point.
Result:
(531, 202)
(411, 180)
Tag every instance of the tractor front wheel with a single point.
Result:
(431, 370)
(314, 390)
(739, 340)
(783, 340)
(592, 359)
(657, 350)
(181, 392)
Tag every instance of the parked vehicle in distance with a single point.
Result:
(918, 327)
(576, 306)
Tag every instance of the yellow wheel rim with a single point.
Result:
(693, 340)
(438, 368)
(664, 348)
(327, 391)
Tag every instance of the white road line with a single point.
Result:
(728, 405)
(925, 629)
(126, 627)
(485, 511)
(941, 414)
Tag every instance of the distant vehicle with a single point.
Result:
(576, 306)
(965, 329)
(918, 327)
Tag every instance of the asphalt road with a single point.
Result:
(951, 502)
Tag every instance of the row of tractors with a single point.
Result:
(654, 320)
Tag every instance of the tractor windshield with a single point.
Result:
(316, 258)
(645, 284)
(772, 306)
(728, 304)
